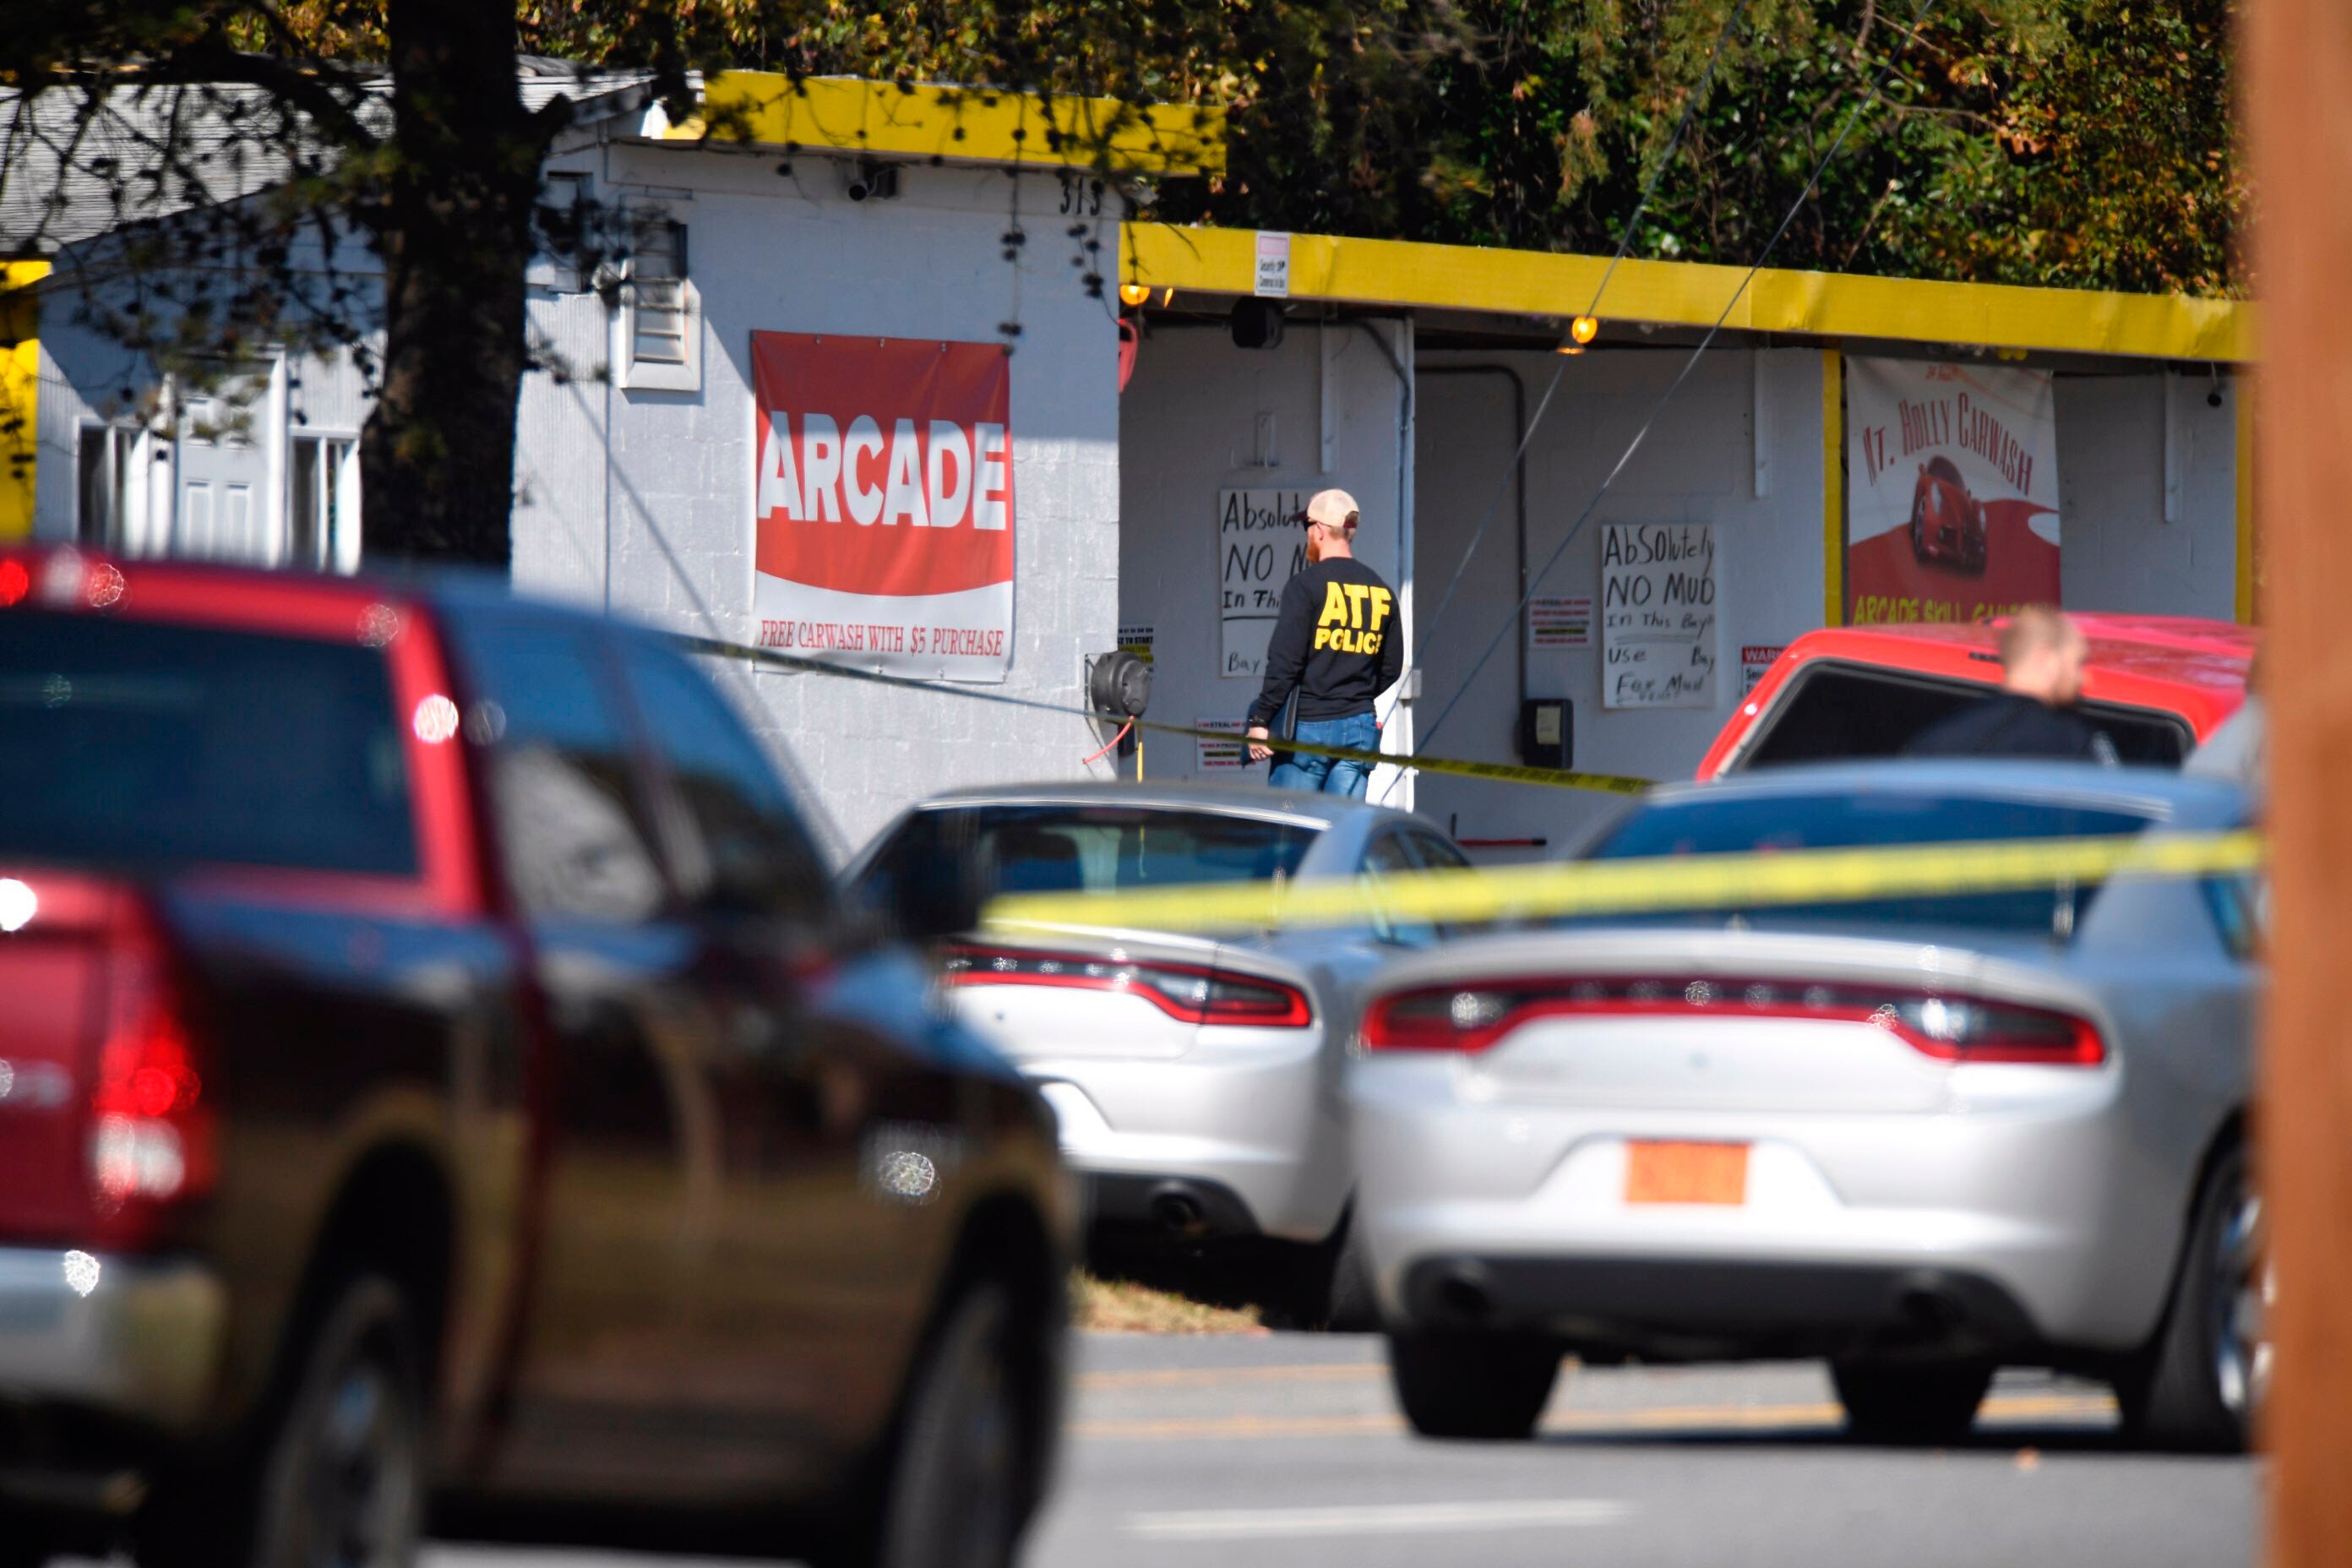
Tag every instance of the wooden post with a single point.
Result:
(2296, 87)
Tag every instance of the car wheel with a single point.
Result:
(1910, 1402)
(1489, 1387)
(2201, 1385)
(335, 1475)
(956, 1496)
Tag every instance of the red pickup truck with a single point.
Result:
(433, 1063)
(2158, 684)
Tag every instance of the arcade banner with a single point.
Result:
(1951, 490)
(882, 503)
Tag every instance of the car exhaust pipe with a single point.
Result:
(1178, 1211)
(1928, 1308)
(1463, 1295)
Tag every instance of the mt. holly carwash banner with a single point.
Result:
(1952, 491)
(882, 504)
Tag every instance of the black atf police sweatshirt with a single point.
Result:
(1335, 639)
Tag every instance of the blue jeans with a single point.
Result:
(1330, 775)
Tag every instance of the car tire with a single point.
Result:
(958, 1490)
(1910, 1402)
(1481, 1387)
(2199, 1386)
(338, 1458)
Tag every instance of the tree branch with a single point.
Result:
(210, 61)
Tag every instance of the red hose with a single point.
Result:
(1115, 740)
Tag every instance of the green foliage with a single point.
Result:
(2076, 143)
(2071, 142)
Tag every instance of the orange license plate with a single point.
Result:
(1662, 1172)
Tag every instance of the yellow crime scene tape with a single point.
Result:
(1477, 896)
(1503, 773)
(1643, 886)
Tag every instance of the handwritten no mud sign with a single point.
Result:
(1258, 548)
(1657, 616)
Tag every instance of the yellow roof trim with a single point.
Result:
(20, 390)
(1689, 294)
(965, 124)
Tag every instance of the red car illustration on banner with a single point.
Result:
(1948, 523)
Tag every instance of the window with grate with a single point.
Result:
(658, 279)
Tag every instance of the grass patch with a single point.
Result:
(1125, 1306)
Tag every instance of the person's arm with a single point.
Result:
(1391, 653)
(1286, 657)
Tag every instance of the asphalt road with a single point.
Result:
(1285, 1451)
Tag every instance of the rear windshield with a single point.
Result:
(1777, 824)
(1833, 712)
(128, 743)
(1094, 849)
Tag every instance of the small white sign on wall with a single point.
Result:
(1657, 616)
(1233, 753)
(1273, 279)
(1258, 549)
(1560, 622)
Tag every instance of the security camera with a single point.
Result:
(1256, 323)
(868, 181)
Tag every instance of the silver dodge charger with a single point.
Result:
(1923, 1138)
(1197, 1080)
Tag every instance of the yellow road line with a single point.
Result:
(1810, 1415)
(1202, 1376)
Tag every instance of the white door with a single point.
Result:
(224, 474)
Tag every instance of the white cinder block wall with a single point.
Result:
(1697, 466)
(1188, 429)
(658, 523)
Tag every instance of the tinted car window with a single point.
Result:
(568, 819)
(1075, 849)
(129, 743)
(1436, 854)
(1387, 857)
(1775, 824)
(1832, 712)
(759, 857)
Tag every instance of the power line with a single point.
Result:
(1852, 119)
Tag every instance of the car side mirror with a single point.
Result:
(935, 895)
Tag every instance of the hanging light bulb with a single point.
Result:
(1133, 294)
(1584, 329)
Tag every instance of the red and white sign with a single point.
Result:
(882, 503)
(1952, 491)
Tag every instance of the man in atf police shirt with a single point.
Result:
(1335, 642)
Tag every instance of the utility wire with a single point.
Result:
(1852, 119)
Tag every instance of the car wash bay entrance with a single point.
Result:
(1406, 374)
